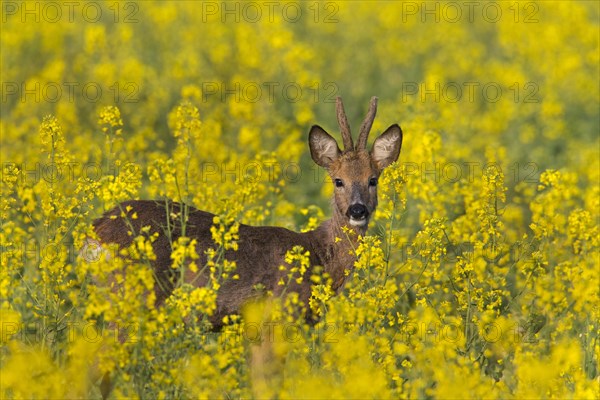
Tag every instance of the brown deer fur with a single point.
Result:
(261, 251)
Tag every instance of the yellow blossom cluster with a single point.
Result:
(480, 267)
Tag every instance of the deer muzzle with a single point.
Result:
(358, 214)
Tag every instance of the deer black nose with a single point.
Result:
(357, 211)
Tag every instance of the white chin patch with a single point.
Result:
(358, 222)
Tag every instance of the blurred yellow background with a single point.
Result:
(489, 222)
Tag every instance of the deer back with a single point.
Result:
(261, 250)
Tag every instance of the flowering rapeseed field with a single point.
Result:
(479, 276)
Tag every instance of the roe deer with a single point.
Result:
(261, 249)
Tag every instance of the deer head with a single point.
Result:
(355, 170)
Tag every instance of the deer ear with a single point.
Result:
(323, 148)
(386, 147)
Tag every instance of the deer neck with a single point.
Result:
(337, 241)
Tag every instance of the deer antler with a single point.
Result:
(343, 122)
(365, 128)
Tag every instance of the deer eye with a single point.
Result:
(373, 182)
(338, 183)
